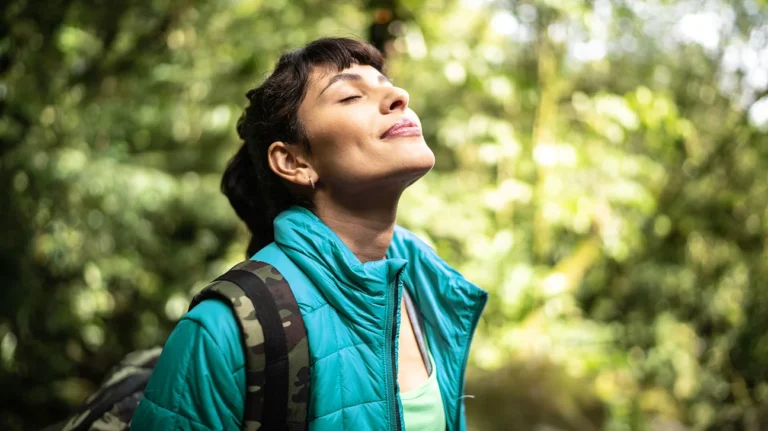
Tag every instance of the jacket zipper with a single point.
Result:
(392, 341)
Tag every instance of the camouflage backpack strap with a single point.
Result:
(112, 406)
(275, 342)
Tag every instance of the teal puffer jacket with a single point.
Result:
(351, 311)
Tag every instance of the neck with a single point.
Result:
(364, 225)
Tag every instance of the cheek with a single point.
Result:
(347, 136)
(338, 126)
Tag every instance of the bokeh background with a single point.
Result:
(602, 169)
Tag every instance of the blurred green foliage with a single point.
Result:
(601, 170)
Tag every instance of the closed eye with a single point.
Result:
(349, 99)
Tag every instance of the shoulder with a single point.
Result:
(215, 321)
(199, 380)
(275, 256)
(306, 294)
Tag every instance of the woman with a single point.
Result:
(330, 145)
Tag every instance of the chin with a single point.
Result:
(424, 159)
(393, 174)
(415, 168)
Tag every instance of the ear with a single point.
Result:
(288, 162)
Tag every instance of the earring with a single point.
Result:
(312, 183)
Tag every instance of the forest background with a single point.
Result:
(601, 170)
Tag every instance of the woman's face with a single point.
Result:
(362, 134)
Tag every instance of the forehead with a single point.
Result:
(321, 75)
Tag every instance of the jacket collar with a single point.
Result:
(359, 291)
(446, 299)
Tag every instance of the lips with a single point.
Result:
(404, 127)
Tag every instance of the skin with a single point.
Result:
(358, 175)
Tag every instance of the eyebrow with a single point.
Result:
(350, 77)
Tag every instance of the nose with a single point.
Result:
(395, 100)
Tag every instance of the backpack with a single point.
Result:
(276, 357)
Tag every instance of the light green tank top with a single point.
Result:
(423, 406)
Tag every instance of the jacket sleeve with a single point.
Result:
(199, 380)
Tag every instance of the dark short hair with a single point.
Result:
(256, 193)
